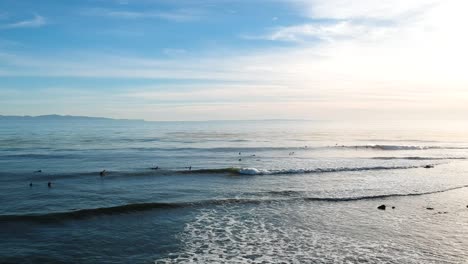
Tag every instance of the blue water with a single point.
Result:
(233, 192)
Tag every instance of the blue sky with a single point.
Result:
(201, 60)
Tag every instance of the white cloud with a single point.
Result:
(327, 32)
(361, 9)
(360, 19)
(35, 22)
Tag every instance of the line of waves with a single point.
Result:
(139, 207)
(255, 171)
(216, 171)
(39, 156)
(359, 198)
(398, 147)
(253, 149)
(419, 158)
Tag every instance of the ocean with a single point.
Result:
(273, 191)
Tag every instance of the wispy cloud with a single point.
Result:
(220, 92)
(35, 22)
(328, 32)
(181, 15)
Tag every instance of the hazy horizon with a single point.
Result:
(416, 122)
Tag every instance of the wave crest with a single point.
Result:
(419, 158)
(254, 171)
(398, 147)
(290, 196)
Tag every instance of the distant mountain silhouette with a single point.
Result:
(63, 118)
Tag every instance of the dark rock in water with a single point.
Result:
(429, 166)
(382, 207)
(393, 207)
(429, 208)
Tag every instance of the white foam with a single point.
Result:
(255, 171)
(393, 147)
(283, 234)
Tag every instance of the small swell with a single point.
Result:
(419, 158)
(86, 213)
(223, 171)
(254, 171)
(115, 210)
(220, 149)
(378, 197)
(212, 171)
(287, 193)
(290, 193)
(291, 196)
(39, 156)
(397, 147)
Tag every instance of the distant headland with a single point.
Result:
(62, 118)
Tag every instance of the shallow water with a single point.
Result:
(233, 192)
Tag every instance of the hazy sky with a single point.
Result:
(227, 59)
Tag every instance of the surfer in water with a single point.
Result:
(49, 184)
(155, 168)
(103, 173)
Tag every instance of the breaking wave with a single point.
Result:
(254, 171)
(397, 147)
(223, 171)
